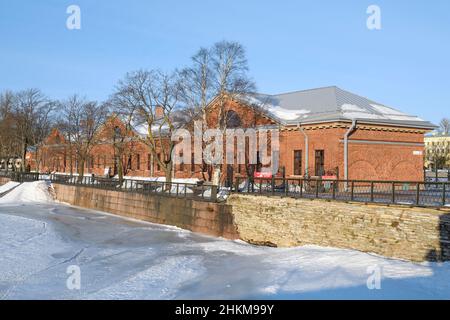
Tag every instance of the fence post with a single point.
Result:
(286, 186)
(417, 193)
(301, 188)
(214, 193)
(393, 192)
(317, 189)
(352, 195)
(371, 191)
(443, 194)
(236, 185)
(273, 185)
(334, 189)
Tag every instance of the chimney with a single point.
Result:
(159, 112)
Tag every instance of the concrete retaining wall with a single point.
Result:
(416, 234)
(208, 218)
(4, 180)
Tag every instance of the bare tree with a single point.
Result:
(8, 141)
(121, 137)
(220, 74)
(444, 125)
(148, 102)
(32, 114)
(81, 121)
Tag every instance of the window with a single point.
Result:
(233, 120)
(192, 163)
(319, 163)
(149, 161)
(181, 162)
(129, 165)
(158, 167)
(298, 162)
(258, 162)
(138, 162)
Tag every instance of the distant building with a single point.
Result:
(437, 150)
(324, 131)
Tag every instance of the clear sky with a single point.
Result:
(291, 45)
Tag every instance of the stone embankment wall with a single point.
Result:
(416, 234)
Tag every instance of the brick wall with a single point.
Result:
(376, 152)
(415, 234)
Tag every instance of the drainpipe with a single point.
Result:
(347, 134)
(306, 150)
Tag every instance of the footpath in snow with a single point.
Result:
(8, 186)
(27, 192)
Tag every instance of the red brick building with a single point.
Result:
(324, 131)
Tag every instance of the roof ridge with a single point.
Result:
(304, 90)
(358, 95)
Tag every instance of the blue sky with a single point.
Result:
(291, 45)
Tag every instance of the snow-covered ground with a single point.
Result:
(30, 192)
(126, 259)
(8, 186)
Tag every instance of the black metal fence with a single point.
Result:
(171, 189)
(425, 194)
(428, 194)
(20, 176)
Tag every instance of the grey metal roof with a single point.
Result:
(331, 104)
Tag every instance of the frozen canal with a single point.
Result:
(123, 259)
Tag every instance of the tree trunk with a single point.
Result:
(168, 176)
(120, 171)
(71, 162)
(38, 160)
(24, 157)
(216, 175)
(81, 170)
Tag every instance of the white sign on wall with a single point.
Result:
(417, 153)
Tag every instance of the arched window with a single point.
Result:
(233, 119)
(117, 132)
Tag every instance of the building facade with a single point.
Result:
(437, 151)
(322, 132)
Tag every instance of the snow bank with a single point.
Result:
(161, 179)
(37, 191)
(8, 186)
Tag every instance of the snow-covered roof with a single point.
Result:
(330, 104)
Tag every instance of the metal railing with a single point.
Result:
(411, 193)
(20, 176)
(424, 194)
(170, 189)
